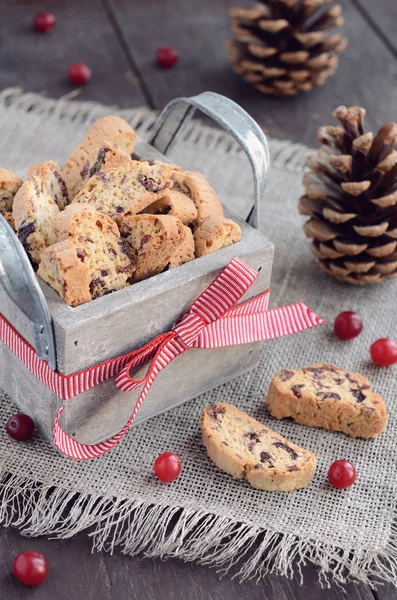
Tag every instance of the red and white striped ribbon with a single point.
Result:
(212, 322)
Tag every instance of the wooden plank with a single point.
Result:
(200, 31)
(39, 62)
(78, 574)
(75, 573)
(382, 17)
(385, 592)
(176, 580)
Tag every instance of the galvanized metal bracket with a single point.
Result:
(20, 283)
(176, 116)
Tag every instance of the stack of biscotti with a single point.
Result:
(80, 223)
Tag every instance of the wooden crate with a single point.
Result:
(123, 321)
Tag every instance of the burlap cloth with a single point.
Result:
(206, 515)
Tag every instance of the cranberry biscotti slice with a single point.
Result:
(246, 449)
(327, 396)
(109, 156)
(215, 233)
(196, 187)
(176, 204)
(33, 212)
(51, 180)
(126, 190)
(95, 240)
(105, 131)
(9, 185)
(155, 240)
(184, 252)
(62, 268)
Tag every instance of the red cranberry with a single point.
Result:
(384, 352)
(30, 567)
(20, 427)
(79, 73)
(348, 325)
(342, 474)
(44, 21)
(167, 467)
(167, 57)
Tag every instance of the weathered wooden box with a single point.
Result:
(123, 321)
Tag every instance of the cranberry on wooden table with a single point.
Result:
(79, 73)
(167, 57)
(20, 427)
(342, 474)
(44, 21)
(348, 325)
(30, 567)
(167, 467)
(384, 352)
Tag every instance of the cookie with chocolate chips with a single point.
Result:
(246, 449)
(327, 396)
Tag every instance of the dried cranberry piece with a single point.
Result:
(296, 390)
(358, 395)
(84, 170)
(99, 160)
(126, 249)
(24, 232)
(252, 435)
(266, 457)
(287, 448)
(96, 287)
(150, 185)
(285, 375)
(144, 240)
(292, 468)
(214, 410)
(80, 254)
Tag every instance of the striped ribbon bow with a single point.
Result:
(213, 321)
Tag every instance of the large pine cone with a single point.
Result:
(351, 196)
(282, 47)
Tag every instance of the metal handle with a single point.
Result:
(235, 120)
(20, 284)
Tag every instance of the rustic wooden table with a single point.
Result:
(118, 39)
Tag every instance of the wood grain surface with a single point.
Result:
(118, 39)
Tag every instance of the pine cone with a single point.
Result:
(351, 196)
(282, 47)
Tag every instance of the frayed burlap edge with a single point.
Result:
(251, 552)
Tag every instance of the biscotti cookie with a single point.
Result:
(64, 271)
(246, 449)
(110, 259)
(176, 204)
(105, 131)
(329, 397)
(196, 187)
(126, 190)
(109, 156)
(51, 180)
(33, 212)
(155, 240)
(184, 252)
(9, 185)
(215, 233)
